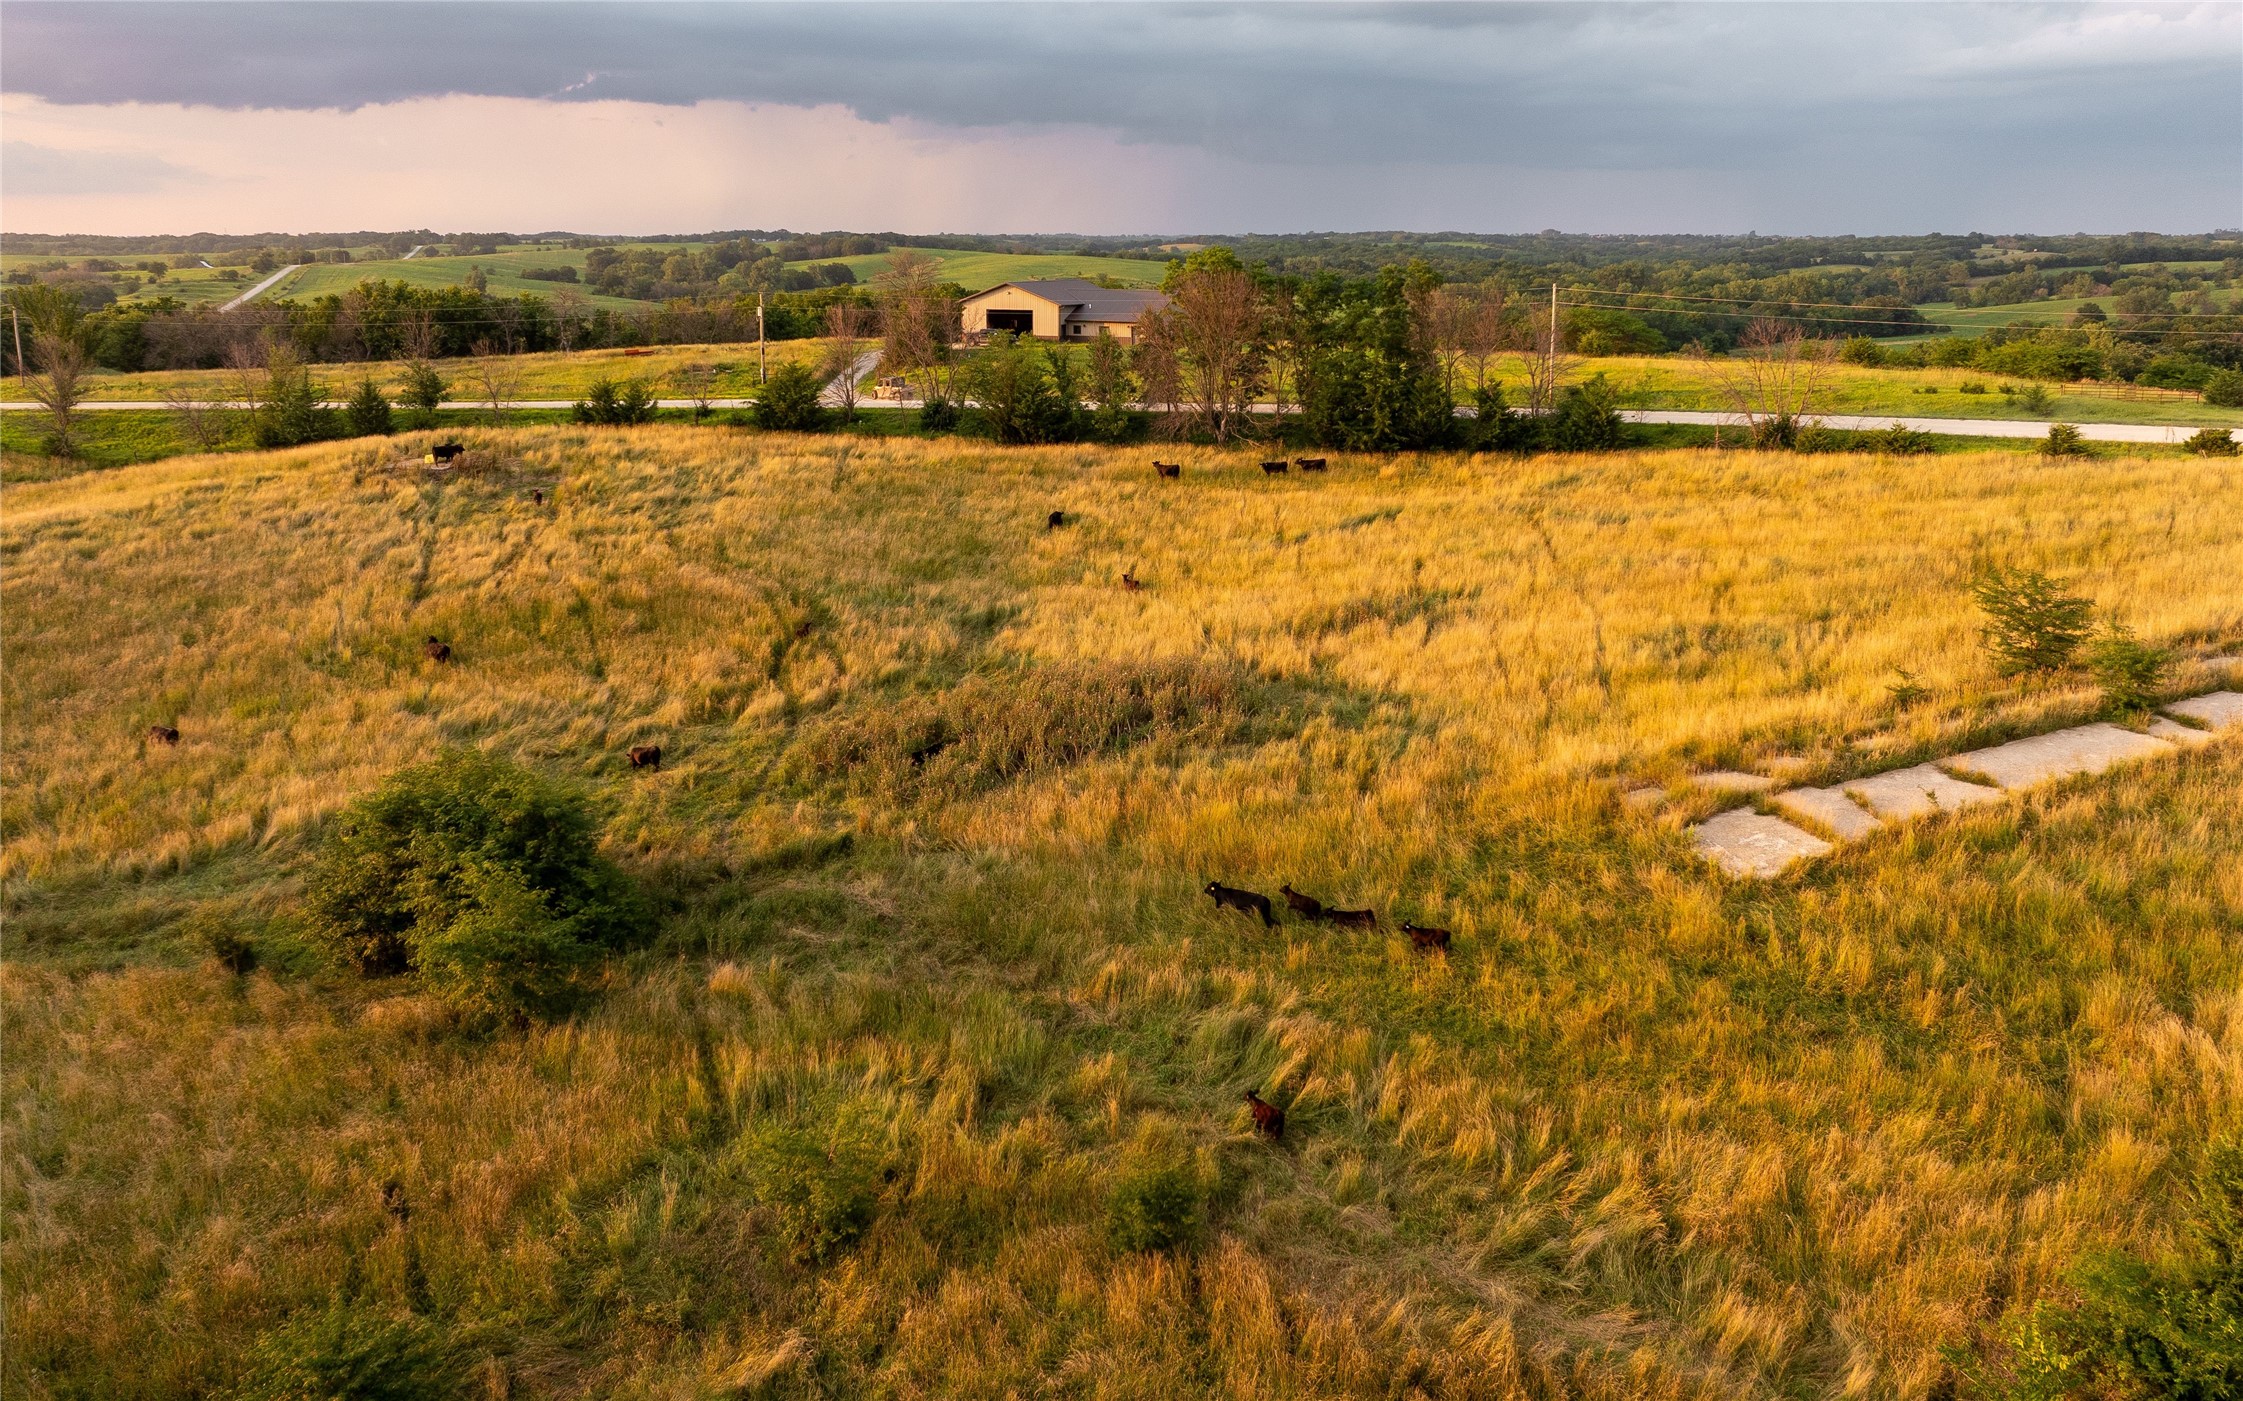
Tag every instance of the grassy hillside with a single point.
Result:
(977, 271)
(501, 271)
(1643, 1134)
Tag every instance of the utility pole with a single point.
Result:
(1552, 361)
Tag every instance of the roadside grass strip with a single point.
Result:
(1748, 843)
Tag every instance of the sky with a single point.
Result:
(1007, 116)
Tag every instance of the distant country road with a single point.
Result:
(253, 293)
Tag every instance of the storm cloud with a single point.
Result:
(1803, 116)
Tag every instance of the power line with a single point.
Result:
(1840, 306)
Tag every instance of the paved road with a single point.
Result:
(2026, 430)
(414, 251)
(253, 293)
(857, 372)
(1959, 427)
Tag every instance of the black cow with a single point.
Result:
(1244, 901)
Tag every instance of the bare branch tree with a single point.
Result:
(1776, 381)
(1547, 363)
(59, 386)
(698, 383)
(498, 377)
(1484, 330)
(200, 421)
(847, 326)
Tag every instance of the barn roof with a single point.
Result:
(1085, 300)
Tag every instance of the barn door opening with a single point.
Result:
(1018, 322)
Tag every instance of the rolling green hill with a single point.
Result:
(977, 271)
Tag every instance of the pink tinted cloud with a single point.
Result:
(466, 162)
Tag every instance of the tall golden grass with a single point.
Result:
(1644, 1133)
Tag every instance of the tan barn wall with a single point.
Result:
(1046, 325)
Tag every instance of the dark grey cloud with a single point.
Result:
(1934, 99)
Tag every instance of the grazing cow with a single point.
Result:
(393, 1202)
(646, 756)
(1168, 469)
(163, 734)
(1055, 520)
(1426, 940)
(1353, 919)
(1309, 464)
(1129, 580)
(1306, 906)
(435, 651)
(445, 452)
(1273, 468)
(537, 496)
(1267, 1117)
(1244, 901)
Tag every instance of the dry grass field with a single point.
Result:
(1643, 1133)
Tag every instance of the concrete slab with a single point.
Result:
(1831, 808)
(1902, 794)
(1744, 843)
(2060, 754)
(1731, 781)
(2174, 732)
(2222, 710)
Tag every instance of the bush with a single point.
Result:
(1970, 386)
(2212, 442)
(1902, 441)
(2129, 669)
(1496, 427)
(818, 1186)
(2032, 625)
(1585, 420)
(1024, 396)
(613, 405)
(350, 1353)
(2063, 440)
(1156, 1205)
(1861, 350)
(2136, 1329)
(423, 390)
(789, 402)
(368, 411)
(291, 414)
(480, 875)
(2224, 388)
(2035, 399)
(938, 416)
(2175, 372)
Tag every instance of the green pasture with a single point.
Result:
(978, 271)
(502, 272)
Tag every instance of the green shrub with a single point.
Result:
(1156, 1205)
(2212, 442)
(819, 1185)
(2035, 399)
(480, 875)
(789, 402)
(350, 1353)
(423, 390)
(1971, 386)
(291, 414)
(368, 411)
(1586, 419)
(2032, 625)
(938, 415)
(2063, 440)
(2224, 388)
(1861, 350)
(613, 405)
(2129, 669)
(1496, 426)
(2131, 1328)
(1902, 441)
